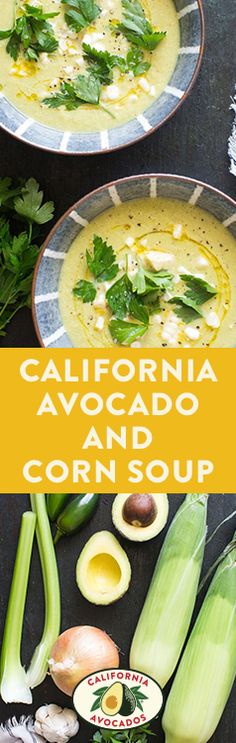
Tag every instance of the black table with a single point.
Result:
(119, 619)
(193, 143)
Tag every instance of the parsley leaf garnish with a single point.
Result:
(199, 290)
(102, 263)
(185, 308)
(18, 249)
(135, 62)
(31, 34)
(85, 290)
(136, 27)
(126, 332)
(80, 13)
(119, 297)
(84, 89)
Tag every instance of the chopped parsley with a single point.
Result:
(102, 263)
(136, 28)
(124, 332)
(185, 308)
(85, 290)
(101, 64)
(84, 89)
(198, 289)
(198, 292)
(80, 13)
(31, 34)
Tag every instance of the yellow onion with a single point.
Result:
(78, 652)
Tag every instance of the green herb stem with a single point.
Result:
(39, 664)
(14, 682)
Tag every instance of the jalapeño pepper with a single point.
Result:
(76, 514)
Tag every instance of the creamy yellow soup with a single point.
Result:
(26, 84)
(156, 234)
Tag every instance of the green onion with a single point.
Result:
(166, 615)
(207, 671)
(14, 682)
(39, 664)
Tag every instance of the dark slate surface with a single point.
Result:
(193, 143)
(119, 619)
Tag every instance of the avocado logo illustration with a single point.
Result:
(118, 699)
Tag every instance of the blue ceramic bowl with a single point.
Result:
(45, 306)
(191, 21)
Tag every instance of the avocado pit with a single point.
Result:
(139, 510)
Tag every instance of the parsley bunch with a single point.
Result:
(137, 735)
(22, 213)
(31, 33)
(136, 28)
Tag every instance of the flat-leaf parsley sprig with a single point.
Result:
(31, 34)
(136, 28)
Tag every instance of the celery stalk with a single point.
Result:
(39, 664)
(14, 683)
(207, 670)
(165, 619)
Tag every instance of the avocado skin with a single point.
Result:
(128, 703)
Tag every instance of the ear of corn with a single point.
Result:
(206, 673)
(167, 612)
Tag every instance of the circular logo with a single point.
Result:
(118, 699)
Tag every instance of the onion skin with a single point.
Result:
(81, 650)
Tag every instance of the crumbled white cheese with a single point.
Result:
(157, 319)
(192, 333)
(152, 91)
(171, 329)
(132, 265)
(129, 241)
(121, 264)
(177, 231)
(100, 301)
(133, 97)
(112, 92)
(158, 259)
(202, 261)
(176, 279)
(92, 38)
(44, 58)
(143, 242)
(212, 320)
(144, 84)
(68, 69)
(63, 45)
(182, 269)
(99, 324)
(73, 51)
(135, 344)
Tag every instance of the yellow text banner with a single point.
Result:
(118, 420)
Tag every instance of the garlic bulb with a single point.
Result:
(55, 724)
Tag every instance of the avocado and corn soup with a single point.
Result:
(151, 273)
(86, 65)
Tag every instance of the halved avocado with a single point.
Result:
(140, 516)
(118, 699)
(103, 570)
(112, 699)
